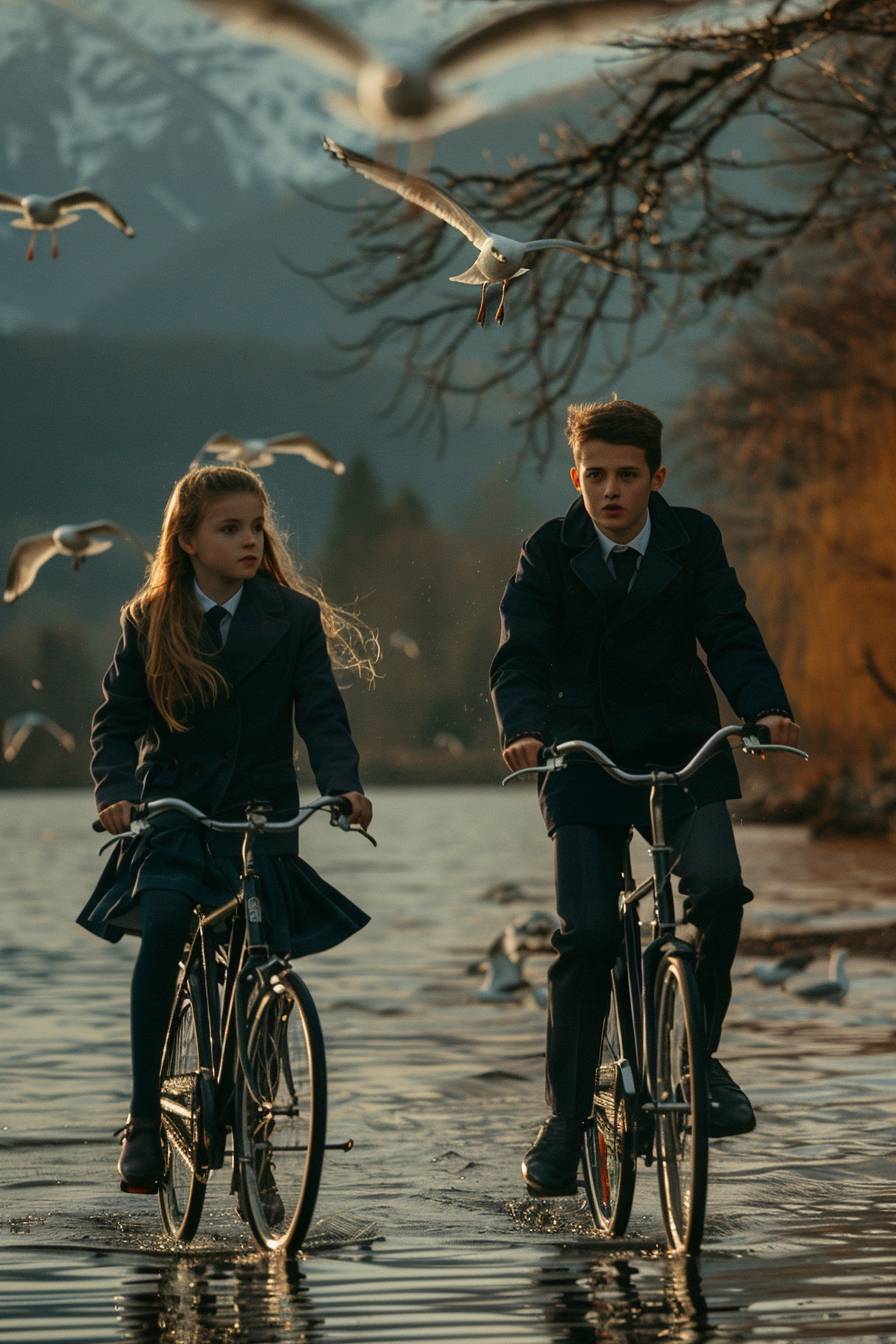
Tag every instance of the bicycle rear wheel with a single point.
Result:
(608, 1140)
(281, 1114)
(682, 1137)
(184, 1172)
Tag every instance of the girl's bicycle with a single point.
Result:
(651, 1097)
(245, 1053)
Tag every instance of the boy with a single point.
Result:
(599, 628)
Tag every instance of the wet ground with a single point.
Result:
(425, 1231)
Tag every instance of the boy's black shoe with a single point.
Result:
(140, 1162)
(552, 1163)
(730, 1111)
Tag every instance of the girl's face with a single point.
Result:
(227, 546)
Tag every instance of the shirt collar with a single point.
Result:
(638, 543)
(206, 603)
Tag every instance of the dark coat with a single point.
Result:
(238, 747)
(576, 659)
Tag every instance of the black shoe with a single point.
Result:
(730, 1111)
(140, 1163)
(551, 1165)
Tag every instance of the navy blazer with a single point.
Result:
(240, 746)
(576, 659)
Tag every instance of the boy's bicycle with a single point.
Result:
(651, 1098)
(244, 1052)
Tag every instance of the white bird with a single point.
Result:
(449, 742)
(834, 989)
(77, 540)
(500, 258)
(404, 643)
(409, 100)
(777, 972)
(19, 727)
(39, 213)
(504, 963)
(262, 452)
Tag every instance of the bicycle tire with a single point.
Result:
(609, 1157)
(184, 1170)
(682, 1137)
(286, 1097)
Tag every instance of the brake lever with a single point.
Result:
(553, 763)
(341, 819)
(753, 747)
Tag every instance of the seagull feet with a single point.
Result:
(499, 315)
(29, 255)
(54, 245)
(480, 316)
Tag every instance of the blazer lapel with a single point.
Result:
(588, 564)
(257, 627)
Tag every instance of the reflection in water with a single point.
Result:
(207, 1302)
(590, 1300)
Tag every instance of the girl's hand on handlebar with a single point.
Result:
(362, 809)
(523, 753)
(116, 817)
(783, 731)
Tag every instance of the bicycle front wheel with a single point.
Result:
(281, 1114)
(608, 1141)
(184, 1174)
(682, 1137)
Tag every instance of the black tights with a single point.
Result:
(167, 916)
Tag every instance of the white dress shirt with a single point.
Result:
(230, 606)
(638, 543)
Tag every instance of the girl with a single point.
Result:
(221, 650)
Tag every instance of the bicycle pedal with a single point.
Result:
(138, 1189)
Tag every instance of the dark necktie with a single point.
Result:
(625, 562)
(212, 626)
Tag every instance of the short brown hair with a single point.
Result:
(616, 422)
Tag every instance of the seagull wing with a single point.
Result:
(82, 199)
(561, 244)
(103, 527)
(303, 446)
(414, 189)
(16, 731)
(8, 202)
(25, 561)
(297, 28)
(525, 30)
(65, 739)
(226, 447)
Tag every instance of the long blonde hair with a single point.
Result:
(167, 615)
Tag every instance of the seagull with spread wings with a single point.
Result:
(77, 540)
(262, 452)
(410, 100)
(500, 259)
(19, 727)
(39, 213)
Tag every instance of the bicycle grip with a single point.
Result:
(760, 731)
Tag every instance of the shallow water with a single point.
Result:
(441, 1094)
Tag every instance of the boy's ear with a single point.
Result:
(659, 477)
(574, 477)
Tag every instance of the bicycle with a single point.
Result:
(651, 1096)
(244, 1051)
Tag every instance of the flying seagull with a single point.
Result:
(77, 540)
(19, 727)
(39, 213)
(500, 259)
(834, 989)
(262, 452)
(404, 643)
(410, 101)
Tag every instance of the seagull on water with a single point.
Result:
(77, 540)
(409, 100)
(777, 972)
(503, 964)
(39, 213)
(834, 989)
(19, 727)
(262, 452)
(500, 259)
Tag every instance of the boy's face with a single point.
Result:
(228, 543)
(615, 483)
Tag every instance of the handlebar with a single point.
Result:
(754, 741)
(256, 819)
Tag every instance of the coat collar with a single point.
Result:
(657, 569)
(258, 624)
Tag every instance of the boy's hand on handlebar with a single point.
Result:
(362, 809)
(523, 753)
(783, 731)
(116, 817)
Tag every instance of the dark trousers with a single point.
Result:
(588, 866)
(167, 919)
